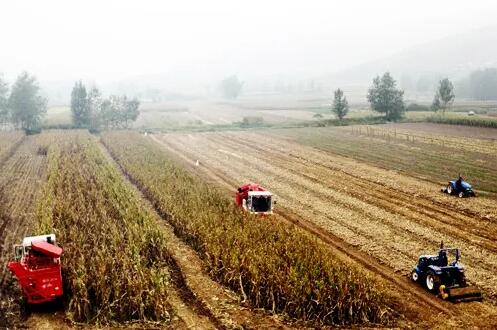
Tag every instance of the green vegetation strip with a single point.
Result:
(276, 266)
(115, 263)
(466, 121)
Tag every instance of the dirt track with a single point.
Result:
(388, 217)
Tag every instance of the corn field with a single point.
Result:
(115, 264)
(274, 265)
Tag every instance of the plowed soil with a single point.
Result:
(380, 218)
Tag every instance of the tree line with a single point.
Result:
(385, 97)
(22, 106)
(480, 85)
(90, 110)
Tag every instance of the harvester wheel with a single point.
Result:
(432, 281)
(461, 194)
(415, 276)
(449, 189)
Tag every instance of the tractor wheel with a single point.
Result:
(461, 194)
(449, 189)
(414, 276)
(432, 281)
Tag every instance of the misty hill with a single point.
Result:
(454, 56)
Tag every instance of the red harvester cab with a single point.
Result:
(37, 268)
(254, 198)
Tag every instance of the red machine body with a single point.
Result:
(254, 198)
(37, 268)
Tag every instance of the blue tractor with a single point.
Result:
(460, 188)
(444, 274)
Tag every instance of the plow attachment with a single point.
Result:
(460, 294)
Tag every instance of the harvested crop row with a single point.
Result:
(434, 162)
(9, 140)
(21, 176)
(276, 266)
(401, 135)
(366, 206)
(381, 212)
(115, 264)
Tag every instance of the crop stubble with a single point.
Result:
(393, 217)
(22, 173)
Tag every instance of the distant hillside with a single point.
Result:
(454, 56)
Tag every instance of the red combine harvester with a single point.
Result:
(254, 199)
(37, 268)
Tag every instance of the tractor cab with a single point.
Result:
(254, 199)
(37, 267)
(258, 202)
(445, 257)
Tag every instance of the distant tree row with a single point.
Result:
(90, 110)
(385, 97)
(480, 85)
(23, 107)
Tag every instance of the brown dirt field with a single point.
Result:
(447, 130)
(390, 218)
(473, 139)
(211, 304)
(426, 158)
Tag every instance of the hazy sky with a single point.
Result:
(111, 40)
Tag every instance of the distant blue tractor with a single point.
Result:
(444, 274)
(460, 188)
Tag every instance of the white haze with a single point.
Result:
(108, 41)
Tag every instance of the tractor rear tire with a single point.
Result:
(449, 189)
(432, 281)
